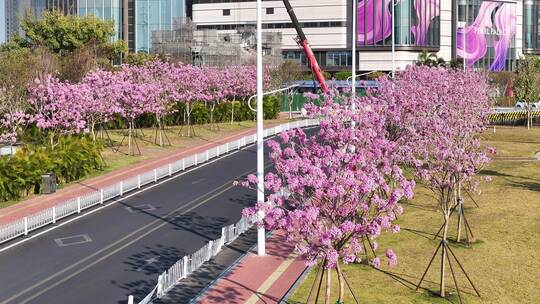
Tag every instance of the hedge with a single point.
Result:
(201, 113)
(72, 159)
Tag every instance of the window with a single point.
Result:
(339, 58)
(531, 24)
(494, 24)
(226, 12)
(269, 10)
(417, 23)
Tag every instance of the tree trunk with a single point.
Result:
(160, 134)
(92, 129)
(232, 110)
(188, 120)
(212, 108)
(129, 136)
(443, 255)
(341, 284)
(328, 286)
(460, 210)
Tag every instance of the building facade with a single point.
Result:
(483, 34)
(134, 20)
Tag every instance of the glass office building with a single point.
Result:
(155, 15)
(144, 16)
(104, 9)
(531, 26)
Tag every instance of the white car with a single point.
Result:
(523, 105)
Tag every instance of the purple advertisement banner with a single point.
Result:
(494, 27)
(375, 20)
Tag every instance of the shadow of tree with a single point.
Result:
(198, 281)
(531, 186)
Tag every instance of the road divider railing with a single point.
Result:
(24, 226)
(512, 116)
(189, 264)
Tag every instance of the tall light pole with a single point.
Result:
(464, 47)
(353, 41)
(261, 246)
(393, 40)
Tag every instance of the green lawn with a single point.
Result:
(504, 263)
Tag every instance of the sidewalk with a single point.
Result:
(42, 202)
(261, 280)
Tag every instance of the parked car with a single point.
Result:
(523, 105)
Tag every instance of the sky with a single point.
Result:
(2, 22)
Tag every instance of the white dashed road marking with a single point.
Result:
(73, 240)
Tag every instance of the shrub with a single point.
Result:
(72, 159)
(343, 75)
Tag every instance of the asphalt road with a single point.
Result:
(121, 249)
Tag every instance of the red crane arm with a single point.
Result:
(304, 44)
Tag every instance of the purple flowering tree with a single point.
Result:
(435, 116)
(58, 108)
(101, 100)
(345, 187)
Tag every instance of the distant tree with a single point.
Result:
(140, 58)
(375, 75)
(430, 59)
(527, 83)
(287, 72)
(18, 68)
(82, 43)
(343, 75)
(59, 32)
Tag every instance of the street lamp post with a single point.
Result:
(261, 238)
(353, 42)
(393, 39)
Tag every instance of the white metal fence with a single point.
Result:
(188, 264)
(63, 210)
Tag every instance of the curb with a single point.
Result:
(297, 283)
(226, 272)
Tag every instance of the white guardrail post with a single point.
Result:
(101, 196)
(160, 286)
(185, 267)
(170, 170)
(207, 155)
(155, 175)
(54, 215)
(79, 204)
(25, 225)
(130, 300)
(121, 188)
(210, 245)
(227, 148)
(183, 164)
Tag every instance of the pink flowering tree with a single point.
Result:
(435, 116)
(11, 125)
(216, 90)
(58, 108)
(135, 97)
(187, 86)
(345, 187)
(100, 99)
(160, 102)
